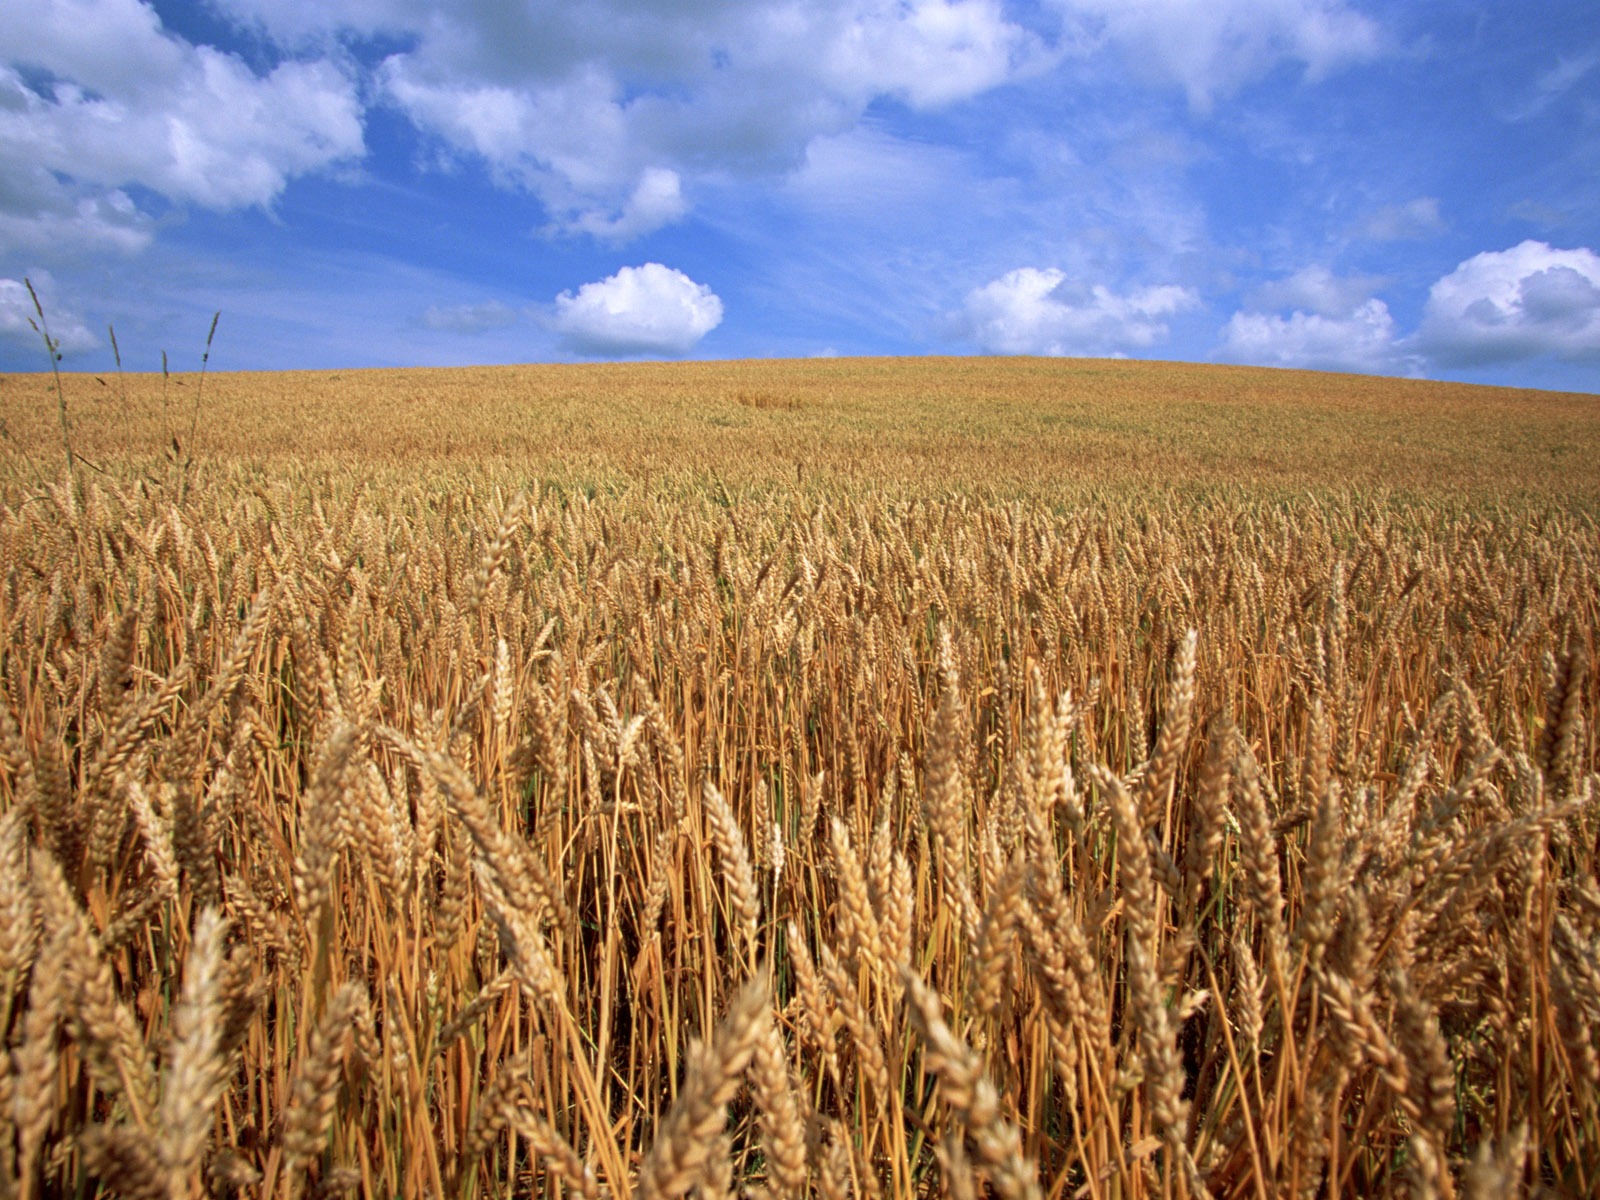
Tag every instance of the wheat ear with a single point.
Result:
(197, 1068)
(970, 1093)
(680, 1156)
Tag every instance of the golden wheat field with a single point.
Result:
(853, 778)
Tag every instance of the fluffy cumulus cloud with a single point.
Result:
(928, 52)
(1212, 49)
(657, 200)
(1530, 301)
(1316, 290)
(1040, 311)
(646, 310)
(605, 109)
(18, 317)
(95, 95)
(41, 213)
(612, 113)
(1362, 339)
(1320, 321)
(1526, 302)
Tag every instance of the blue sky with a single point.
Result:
(1410, 188)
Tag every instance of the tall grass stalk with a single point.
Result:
(194, 423)
(52, 347)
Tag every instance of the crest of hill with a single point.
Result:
(1037, 428)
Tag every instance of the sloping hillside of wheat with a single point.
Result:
(875, 779)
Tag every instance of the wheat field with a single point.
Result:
(844, 779)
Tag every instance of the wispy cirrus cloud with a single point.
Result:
(1552, 84)
(469, 318)
(1212, 50)
(1417, 218)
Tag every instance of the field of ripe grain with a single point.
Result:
(872, 779)
(995, 428)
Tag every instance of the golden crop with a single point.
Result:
(1040, 430)
(845, 778)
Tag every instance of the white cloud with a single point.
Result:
(40, 214)
(929, 52)
(571, 128)
(1316, 290)
(649, 309)
(656, 201)
(604, 108)
(298, 24)
(18, 317)
(469, 318)
(568, 141)
(1525, 302)
(1362, 339)
(1034, 311)
(98, 93)
(1501, 306)
(1332, 323)
(1212, 49)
